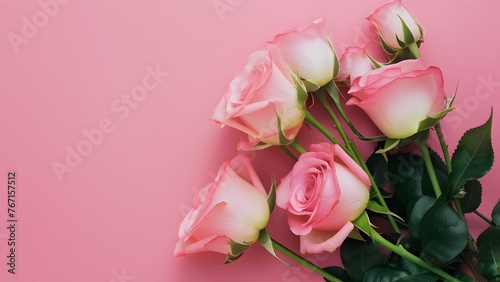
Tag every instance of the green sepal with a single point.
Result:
(389, 144)
(266, 241)
(333, 91)
(356, 235)
(421, 33)
(377, 208)
(407, 35)
(259, 146)
(301, 90)
(386, 46)
(400, 42)
(271, 197)
(430, 121)
(237, 250)
(336, 63)
(376, 64)
(282, 138)
(311, 87)
(363, 223)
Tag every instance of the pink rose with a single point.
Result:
(308, 53)
(263, 90)
(389, 21)
(398, 97)
(234, 207)
(353, 63)
(323, 193)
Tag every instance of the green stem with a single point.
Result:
(349, 146)
(288, 152)
(296, 146)
(351, 125)
(380, 198)
(444, 147)
(414, 50)
(314, 122)
(354, 152)
(430, 168)
(284, 250)
(471, 266)
(409, 256)
(483, 217)
(458, 204)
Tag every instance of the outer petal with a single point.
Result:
(398, 107)
(219, 244)
(242, 166)
(324, 241)
(219, 116)
(354, 63)
(283, 192)
(354, 196)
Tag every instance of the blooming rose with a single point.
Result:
(262, 91)
(353, 63)
(308, 53)
(233, 207)
(389, 21)
(323, 193)
(398, 97)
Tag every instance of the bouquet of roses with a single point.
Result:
(332, 195)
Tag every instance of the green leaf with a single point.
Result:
(377, 165)
(472, 199)
(495, 214)
(488, 246)
(418, 210)
(271, 198)
(399, 269)
(358, 256)
(338, 272)
(237, 250)
(389, 144)
(462, 276)
(443, 234)
(405, 173)
(375, 207)
(472, 159)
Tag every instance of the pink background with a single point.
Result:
(115, 216)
